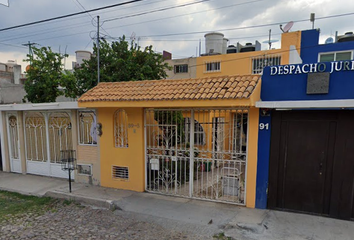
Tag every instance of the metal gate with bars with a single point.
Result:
(197, 153)
(46, 134)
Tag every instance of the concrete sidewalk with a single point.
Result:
(189, 215)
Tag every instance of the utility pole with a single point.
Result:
(98, 49)
(29, 45)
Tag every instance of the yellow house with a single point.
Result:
(251, 62)
(193, 138)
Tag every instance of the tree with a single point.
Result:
(119, 61)
(44, 75)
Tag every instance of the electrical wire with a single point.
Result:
(186, 14)
(69, 15)
(127, 16)
(156, 10)
(246, 27)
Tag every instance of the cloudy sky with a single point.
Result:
(172, 25)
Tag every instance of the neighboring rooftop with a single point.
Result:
(209, 88)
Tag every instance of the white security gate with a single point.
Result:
(46, 134)
(13, 140)
(197, 153)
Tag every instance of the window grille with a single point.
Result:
(183, 68)
(60, 137)
(35, 135)
(87, 127)
(258, 63)
(121, 129)
(119, 172)
(213, 66)
(199, 134)
(13, 132)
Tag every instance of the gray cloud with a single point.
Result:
(74, 33)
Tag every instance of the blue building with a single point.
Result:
(306, 131)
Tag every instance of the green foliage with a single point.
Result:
(44, 75)
(15, 203)
(119, 61)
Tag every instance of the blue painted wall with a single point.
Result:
(292, 88)
(310, 47)
(263, 161)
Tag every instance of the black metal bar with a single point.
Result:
(69, 180)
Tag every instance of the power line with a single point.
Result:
(246, 27)
(157, 10)
(186, 14)
(70, 15)
(47, 30)
(11, 45)
(127, 16)
(92, 18)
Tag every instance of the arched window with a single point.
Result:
(121, 129)
(87, 127)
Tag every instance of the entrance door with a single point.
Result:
(12, 127)
(311, 167)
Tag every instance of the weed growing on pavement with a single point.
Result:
(221, 236)
(14, 203)
(67, 202)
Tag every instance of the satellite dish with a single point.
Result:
(287, 27)
(270, 41)
(329, 40)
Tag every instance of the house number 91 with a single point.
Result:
(263, 126)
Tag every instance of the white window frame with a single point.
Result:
(218, 64)
(335, 54)
(84, 164)
(92, 128)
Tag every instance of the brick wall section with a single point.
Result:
(87, 154)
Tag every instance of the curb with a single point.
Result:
(108, 204)
(21, 192)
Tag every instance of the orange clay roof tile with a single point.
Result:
(225, 87)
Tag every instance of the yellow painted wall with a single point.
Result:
(241, 63)
(288, 39)
(131, 157)
(252, 157)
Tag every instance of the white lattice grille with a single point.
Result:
(121, 129)
(35, 132)
(13, 133)
(87, 127)
(60, 137)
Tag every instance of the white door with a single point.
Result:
(13, 138)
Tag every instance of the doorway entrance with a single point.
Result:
(311, 163)
(197, 153)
